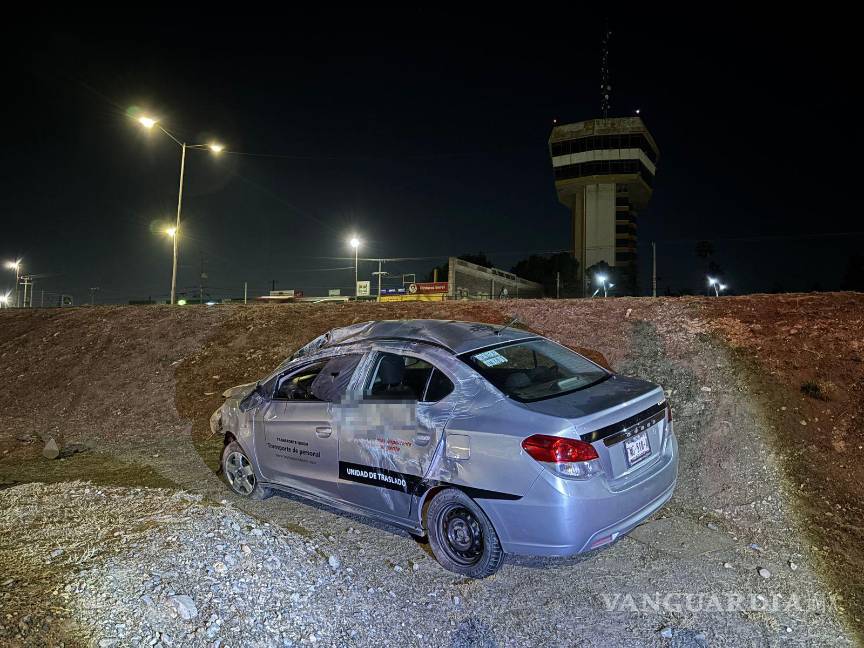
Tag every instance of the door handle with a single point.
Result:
(323, 432)
(422, 439)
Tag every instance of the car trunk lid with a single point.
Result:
(621, 417)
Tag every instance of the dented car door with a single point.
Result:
(295, 434)
(389, 436)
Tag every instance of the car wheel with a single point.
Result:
(461, 536)
(238, 473)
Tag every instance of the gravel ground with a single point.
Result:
(143, 567)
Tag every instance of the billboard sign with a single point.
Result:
(429, 288)
(363, 288)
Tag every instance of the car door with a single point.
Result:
(388, 439)
(296, 443)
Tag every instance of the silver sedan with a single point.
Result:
(487, 439)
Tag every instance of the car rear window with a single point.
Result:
(535, 369)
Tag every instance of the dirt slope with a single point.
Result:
(762, 462)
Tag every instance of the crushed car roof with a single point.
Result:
(455, 336)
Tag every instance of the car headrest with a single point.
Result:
(517, 381)
(391, 370)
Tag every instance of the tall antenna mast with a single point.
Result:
(605, 81)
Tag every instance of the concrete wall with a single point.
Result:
(471, 281)
(600, 224)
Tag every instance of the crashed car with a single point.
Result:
(487, 439)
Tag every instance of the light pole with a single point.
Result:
(355, 243)
(716, 285)
(149, 123)
(601, 279)
(16, 266)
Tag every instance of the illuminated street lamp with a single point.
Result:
(16, 266)
(601, 279)
(149, 123)
(716, 285)
(4, 301)
(355, 243)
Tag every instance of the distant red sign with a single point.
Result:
(429, 288)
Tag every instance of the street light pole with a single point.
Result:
(16, 266)
(177, 225)
(149, 123)
(355, 243)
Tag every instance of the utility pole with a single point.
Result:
(245, 290)
(557, 285)
(273, 285)
(201, 284)
(93, 295)
(27, 282)
(380, 274)
(654, 271)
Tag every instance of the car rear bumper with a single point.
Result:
(560, 517)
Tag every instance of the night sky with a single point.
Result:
(427, 137)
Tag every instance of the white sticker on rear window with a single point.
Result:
(490, 358)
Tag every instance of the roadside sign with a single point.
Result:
(363, 288)
(334, 292)
(428, 288)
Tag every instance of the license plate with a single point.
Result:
(637, 448)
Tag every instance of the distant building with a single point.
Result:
(604, 174)
(468, 280)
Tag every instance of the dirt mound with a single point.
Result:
(757, 382)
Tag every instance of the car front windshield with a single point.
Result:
(534, 370)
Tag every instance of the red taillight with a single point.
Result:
(552, 449)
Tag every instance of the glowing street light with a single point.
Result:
(601, 279)
(147, 122)
(355, 243)
(16, 266)
(213, 147)
(4, 301)
(171, 231)
(716, 285)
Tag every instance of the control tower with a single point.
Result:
(604, 174)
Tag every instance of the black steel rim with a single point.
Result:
(462, 535)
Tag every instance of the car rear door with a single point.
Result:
(389, 438)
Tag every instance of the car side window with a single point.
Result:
(326, 380)
(297, 385)
(439, 387)
(332, 381)
(399, 377)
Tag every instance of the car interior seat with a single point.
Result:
(391, 374)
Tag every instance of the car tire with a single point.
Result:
(238, 473)
(462, 538)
